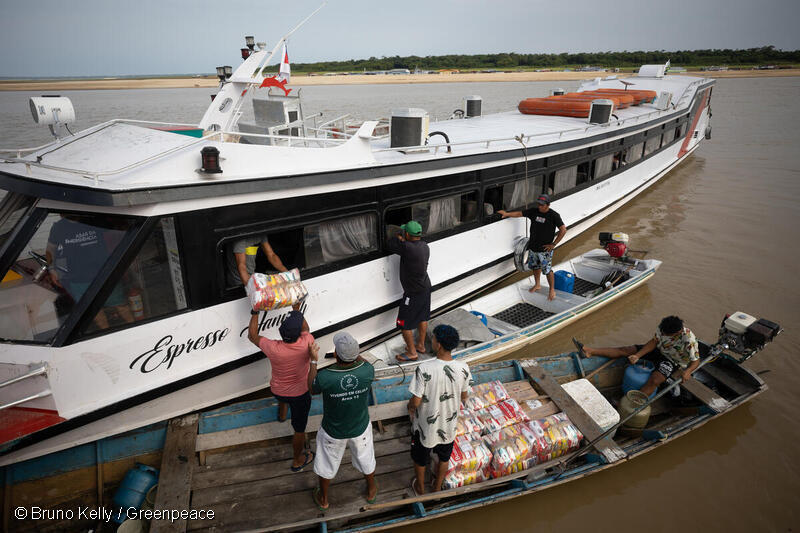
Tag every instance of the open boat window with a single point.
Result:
(512, 196)
(583, 172)
(152, 285)
(436, 216)
(12, 207)
(305, 247)
(56, 267)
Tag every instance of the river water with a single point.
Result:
(725, 223)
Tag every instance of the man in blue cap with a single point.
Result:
(288, 360)
(544, 224)
(415, 307)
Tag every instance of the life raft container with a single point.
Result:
(578, 108)
(642, 96)
(618, 103)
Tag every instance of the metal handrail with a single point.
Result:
(42, 370)
(41, 394)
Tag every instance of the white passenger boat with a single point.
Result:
(147, 323)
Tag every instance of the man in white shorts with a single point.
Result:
(345, 388)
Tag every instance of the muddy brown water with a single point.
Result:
(724, 222)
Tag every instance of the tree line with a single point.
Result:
(766, 55)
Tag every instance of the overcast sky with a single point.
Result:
(131, 37)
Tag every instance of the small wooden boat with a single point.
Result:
(507, 319)
(234, 460)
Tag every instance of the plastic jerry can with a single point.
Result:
(564, 281)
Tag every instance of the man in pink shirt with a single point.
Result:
(289, 359)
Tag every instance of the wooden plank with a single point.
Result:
(732, 382)
(272, 430)
(269, 452)
(177, 467)
(585, 423)
(707, 396)
(303, 481)
(216, 477)
(275, 511)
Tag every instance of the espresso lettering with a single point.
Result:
(165, 351)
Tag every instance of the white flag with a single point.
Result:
(285, 71)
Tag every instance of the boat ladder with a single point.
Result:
(40, 371)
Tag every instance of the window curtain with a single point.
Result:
(350, 236)
(602, 165)
(566, 179)
(443, 214)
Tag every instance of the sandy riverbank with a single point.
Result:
(300, 81)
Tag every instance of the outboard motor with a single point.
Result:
(616, 244)
(745, 335)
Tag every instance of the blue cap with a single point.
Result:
(291, 327)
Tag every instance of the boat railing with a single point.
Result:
(39, 371)
(524, 137)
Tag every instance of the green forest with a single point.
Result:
(766, 55)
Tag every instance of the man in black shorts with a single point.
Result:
(545, 222)
(438, 388)
(415, 307)
(673, 346)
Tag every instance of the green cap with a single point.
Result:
(412, 227)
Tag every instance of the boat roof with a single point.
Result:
(129, 156)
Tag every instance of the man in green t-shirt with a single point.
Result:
(345, 388)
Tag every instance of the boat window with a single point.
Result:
(152, 285)
(652, 144)
(12, 207)
(303, 247)
(54, 270)
(339, 239)
(584, 172)
(633, 153)
(669, 136)
(605, 164)
(562, 180)
(435, 216)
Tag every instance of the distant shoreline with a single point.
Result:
(358, 79)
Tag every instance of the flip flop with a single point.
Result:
(373, 500)
(414, 486)
(315, 495)
(579, 345)
(309, 460)
(404, 358)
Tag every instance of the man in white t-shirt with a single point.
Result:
(438, 388)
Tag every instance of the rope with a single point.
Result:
(520, 138)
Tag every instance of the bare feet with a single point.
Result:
(552, 294)
(535, 288)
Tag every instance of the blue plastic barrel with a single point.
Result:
(636, 376)
(564, 281)
(133, 489)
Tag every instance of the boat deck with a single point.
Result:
(252, 487)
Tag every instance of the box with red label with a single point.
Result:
(503, 414)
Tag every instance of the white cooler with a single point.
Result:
(595, 404)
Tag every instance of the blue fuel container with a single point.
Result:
(636, 376)
(564, 281)
(133, 489)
